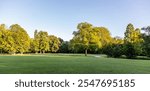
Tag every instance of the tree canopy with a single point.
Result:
(89, 36)
(133, 39)
(87, 39)
(21, 38)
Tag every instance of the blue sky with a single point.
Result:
(60, 17)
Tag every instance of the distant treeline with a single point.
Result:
(87, 39)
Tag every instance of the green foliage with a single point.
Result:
(103, 35)
(129, 33)
(64, 47)
(43, 42)
(21, 38)
(132, 36)
(113, 50)
(54, 43)
(6, 40)
(93, 49)
(82, 36)
(133, 40)
(3, 36)
(132, 50)
(35, 42)
(147, 30)
(10, 46)
(42, 38)
(146, 37)
(117, 40)
(90, 38)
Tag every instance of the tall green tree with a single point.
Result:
(82, 36)
(64, 47)
(21, 38)
(132, 40)
(35, 42)
(103, 34)
(54, 43)
(90, 38)
(10, 46)
(2, 42)
(6, 40)
(3, 36)
(43, 41)
(132, 35)
(115, 48)
(129, 34)
(146, 43)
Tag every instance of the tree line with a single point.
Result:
(93, 39)
(15, 39)
(87, 39)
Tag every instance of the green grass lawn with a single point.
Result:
(71, 64)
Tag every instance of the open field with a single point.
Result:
(71, 64)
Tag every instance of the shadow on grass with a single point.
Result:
(137, 58)
(142, 58)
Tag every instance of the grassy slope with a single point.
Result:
(60, 64)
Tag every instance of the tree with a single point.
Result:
(2, 35)
(132, 40)
(6, 40)
(132, 50)
(43, 41)
(147, 30)
(32, 46)
(117, 40)
(113, 50)
(61, 40)
(35, 42)
(64, 47)
(146, 43)
(89, 38)
(21, 38)
(129, 34)
(10, 46)
(82, 36)
(132, 35)
(54, 43)
(103, 34)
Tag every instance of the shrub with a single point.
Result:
(114, 50)
(132, 50)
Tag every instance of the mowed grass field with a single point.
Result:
(71, 64)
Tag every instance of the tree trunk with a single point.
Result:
(1, 51)
(85, 52)
(36, 52)
(43, 52)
